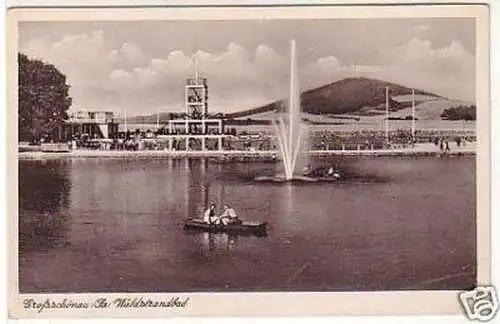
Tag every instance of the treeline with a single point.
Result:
(43, 99)
(247, 122)
(462, 112)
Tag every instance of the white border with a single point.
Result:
(182, 3)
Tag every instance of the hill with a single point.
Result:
(347, 99)
(351, 95)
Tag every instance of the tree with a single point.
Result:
(43, 98)
(460, 113)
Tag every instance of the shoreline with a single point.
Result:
(242, 155)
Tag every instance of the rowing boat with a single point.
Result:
(252, 228)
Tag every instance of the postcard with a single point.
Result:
(249, 161)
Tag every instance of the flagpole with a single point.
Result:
(387, 115)
(125, 120)
(413, 115)
(157, 119)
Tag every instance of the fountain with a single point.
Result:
(291, 132)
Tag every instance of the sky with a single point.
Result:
(142, 65)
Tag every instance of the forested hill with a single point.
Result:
(345, 96)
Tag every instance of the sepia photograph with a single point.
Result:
(324, 153)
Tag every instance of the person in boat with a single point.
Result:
(229, 216)
(209, 215)
(333, 173)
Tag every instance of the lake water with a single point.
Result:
(116, 225)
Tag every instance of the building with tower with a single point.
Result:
(196, 131)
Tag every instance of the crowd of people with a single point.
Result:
(318, 140)
(364, 140)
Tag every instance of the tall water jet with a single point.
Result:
(292, 133)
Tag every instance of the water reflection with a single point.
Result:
(197, 190)
(118, 226)
(203, 187)
(219, 242)
(44, 194)
(232, 242)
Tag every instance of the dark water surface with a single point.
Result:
(116, 225)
